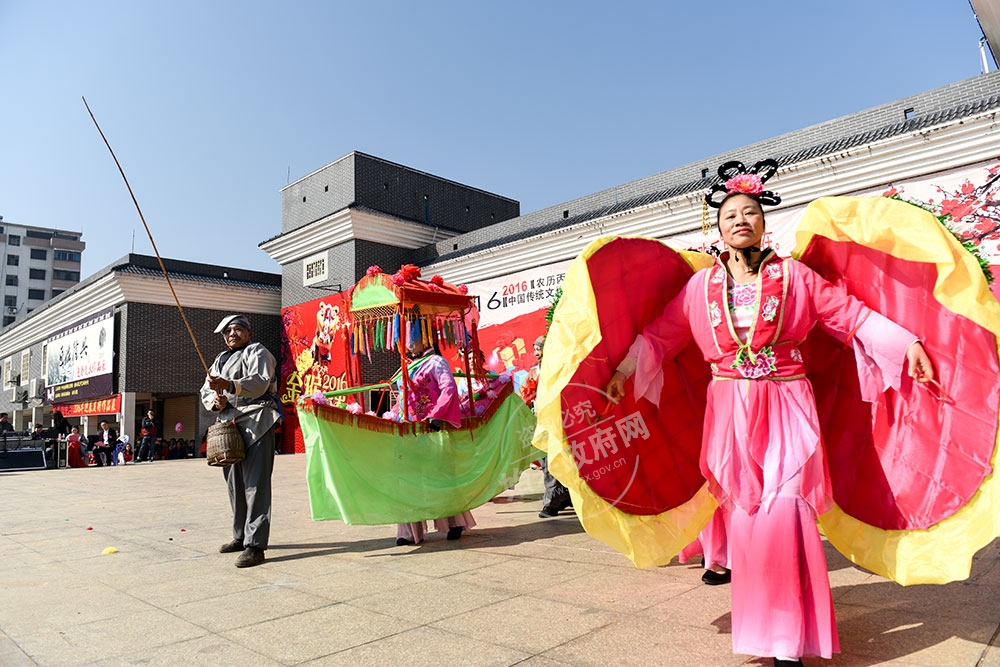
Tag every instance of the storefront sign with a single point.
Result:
(79, 359)
(111, 405)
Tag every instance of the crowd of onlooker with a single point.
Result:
(105, 447)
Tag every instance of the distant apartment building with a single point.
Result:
(36, 264)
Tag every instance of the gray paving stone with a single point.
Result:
(514, 590)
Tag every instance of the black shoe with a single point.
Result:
(455, 532)
(716, 578)
(251, 556)
(231, 547)
(548, 512)
(787, 663)
(402, 542)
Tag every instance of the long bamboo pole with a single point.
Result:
(150, 235)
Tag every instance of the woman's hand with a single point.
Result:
(616, 387)
(221, 402)
(920, 367)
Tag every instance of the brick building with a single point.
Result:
(151, 362)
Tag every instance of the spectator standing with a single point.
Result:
(60, 425)
(148, 442)
(5, 425)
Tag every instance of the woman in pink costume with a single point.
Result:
(762, 452)
(433, 397)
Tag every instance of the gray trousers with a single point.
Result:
(556, 495)
(249, 485)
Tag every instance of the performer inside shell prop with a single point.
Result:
(738, 399)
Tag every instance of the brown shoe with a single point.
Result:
(231, 547)
(251, 556)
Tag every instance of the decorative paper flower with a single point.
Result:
(437, 280)
(355, 409)
(409, 271)
(319, 398)
(504, 378)
(464, 289)
(398, 279)
(373, 270)
(746, 183)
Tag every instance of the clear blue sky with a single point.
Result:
(212, 105)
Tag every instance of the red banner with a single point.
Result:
(111, 405)
(312, 358)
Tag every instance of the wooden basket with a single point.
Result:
(225, 444)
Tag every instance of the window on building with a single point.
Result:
(25, 366)
(57, 292)
(58, 274)
(38, 294)
(8, 319)
(45, 361)
(7, 378)
(12, 281)
(13, 260)
(36, 274)
(38, 235)
(10, 300)
(14, 239)
(67, 255)
(38, 253)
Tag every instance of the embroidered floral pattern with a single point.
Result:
(770, 308)
(743, 296)
(719, 276)
(714, 314)
(796, 355)
(754, 366)
(773, 270)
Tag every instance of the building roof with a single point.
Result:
(908, 115)
(141, 266)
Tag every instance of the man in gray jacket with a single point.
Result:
(239, 387)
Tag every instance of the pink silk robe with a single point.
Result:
(434, 394)
(762, 452)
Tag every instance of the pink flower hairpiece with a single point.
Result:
(735, 178)
(749, 184)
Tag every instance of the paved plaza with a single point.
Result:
(516, 590)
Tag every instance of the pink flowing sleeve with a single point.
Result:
(660, 340)
(879, 344)
(448, 407)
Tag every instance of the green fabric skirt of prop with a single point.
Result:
(401, 473)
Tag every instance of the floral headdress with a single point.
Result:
(737, 179)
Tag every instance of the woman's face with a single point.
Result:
(741, 222)
(416, 348)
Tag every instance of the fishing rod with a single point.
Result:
(149, 234)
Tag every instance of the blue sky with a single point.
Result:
(211, 106)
